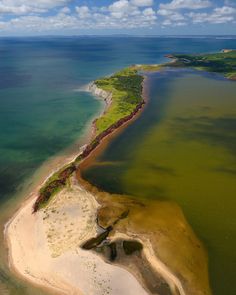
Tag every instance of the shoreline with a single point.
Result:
(33, 196)
(172, 280)
(34, 223)
(59, 178)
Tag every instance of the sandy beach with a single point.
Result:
(44, 248)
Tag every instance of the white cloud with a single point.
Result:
(6, 9)
(65, 10)
(172, 13)
(121, 14)
(119, 6)
(164, 12)
(40, 24)
(83, 11)
(149, 11)
(225, 10)
(142, 2)
(38, 3)
(186, 4)
(219, 15)
(171, 17)
(123, 8)
(28, 6)
(167, 22)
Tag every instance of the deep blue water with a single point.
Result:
(41, 113)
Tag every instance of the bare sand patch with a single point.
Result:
(44, 248)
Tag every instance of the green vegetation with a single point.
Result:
(126, 89)
(224, 63)
(150, 68)
(53, 185)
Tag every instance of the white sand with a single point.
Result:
(172, 280)
(44, 248)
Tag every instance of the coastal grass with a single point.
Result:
(223, 62)
(150, 68)
(126, 89)
(53, 185)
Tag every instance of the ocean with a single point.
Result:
(45, 112)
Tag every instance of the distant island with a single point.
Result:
(223, 63)
(111, 225)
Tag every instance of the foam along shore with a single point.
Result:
(44, 248)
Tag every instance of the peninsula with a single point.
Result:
(82, 240)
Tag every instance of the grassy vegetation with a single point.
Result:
(224, 63)
(150, 68)
(53, 185)
(126, 89)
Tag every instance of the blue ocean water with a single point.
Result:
(41, 110)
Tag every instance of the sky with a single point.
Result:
(105, 17)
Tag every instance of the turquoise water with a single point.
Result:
(182, 148)
(42, 112)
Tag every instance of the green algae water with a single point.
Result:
(182, 148)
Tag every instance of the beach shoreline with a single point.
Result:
(32, 197)
(22, 251)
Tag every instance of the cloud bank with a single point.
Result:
(61, 15)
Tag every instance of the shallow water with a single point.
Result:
(182, 148)
(42, 114)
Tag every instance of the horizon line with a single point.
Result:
(118, 35)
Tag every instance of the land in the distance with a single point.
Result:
(223, 63)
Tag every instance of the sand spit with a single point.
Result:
(44, 248)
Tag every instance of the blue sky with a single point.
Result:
(102, 17)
